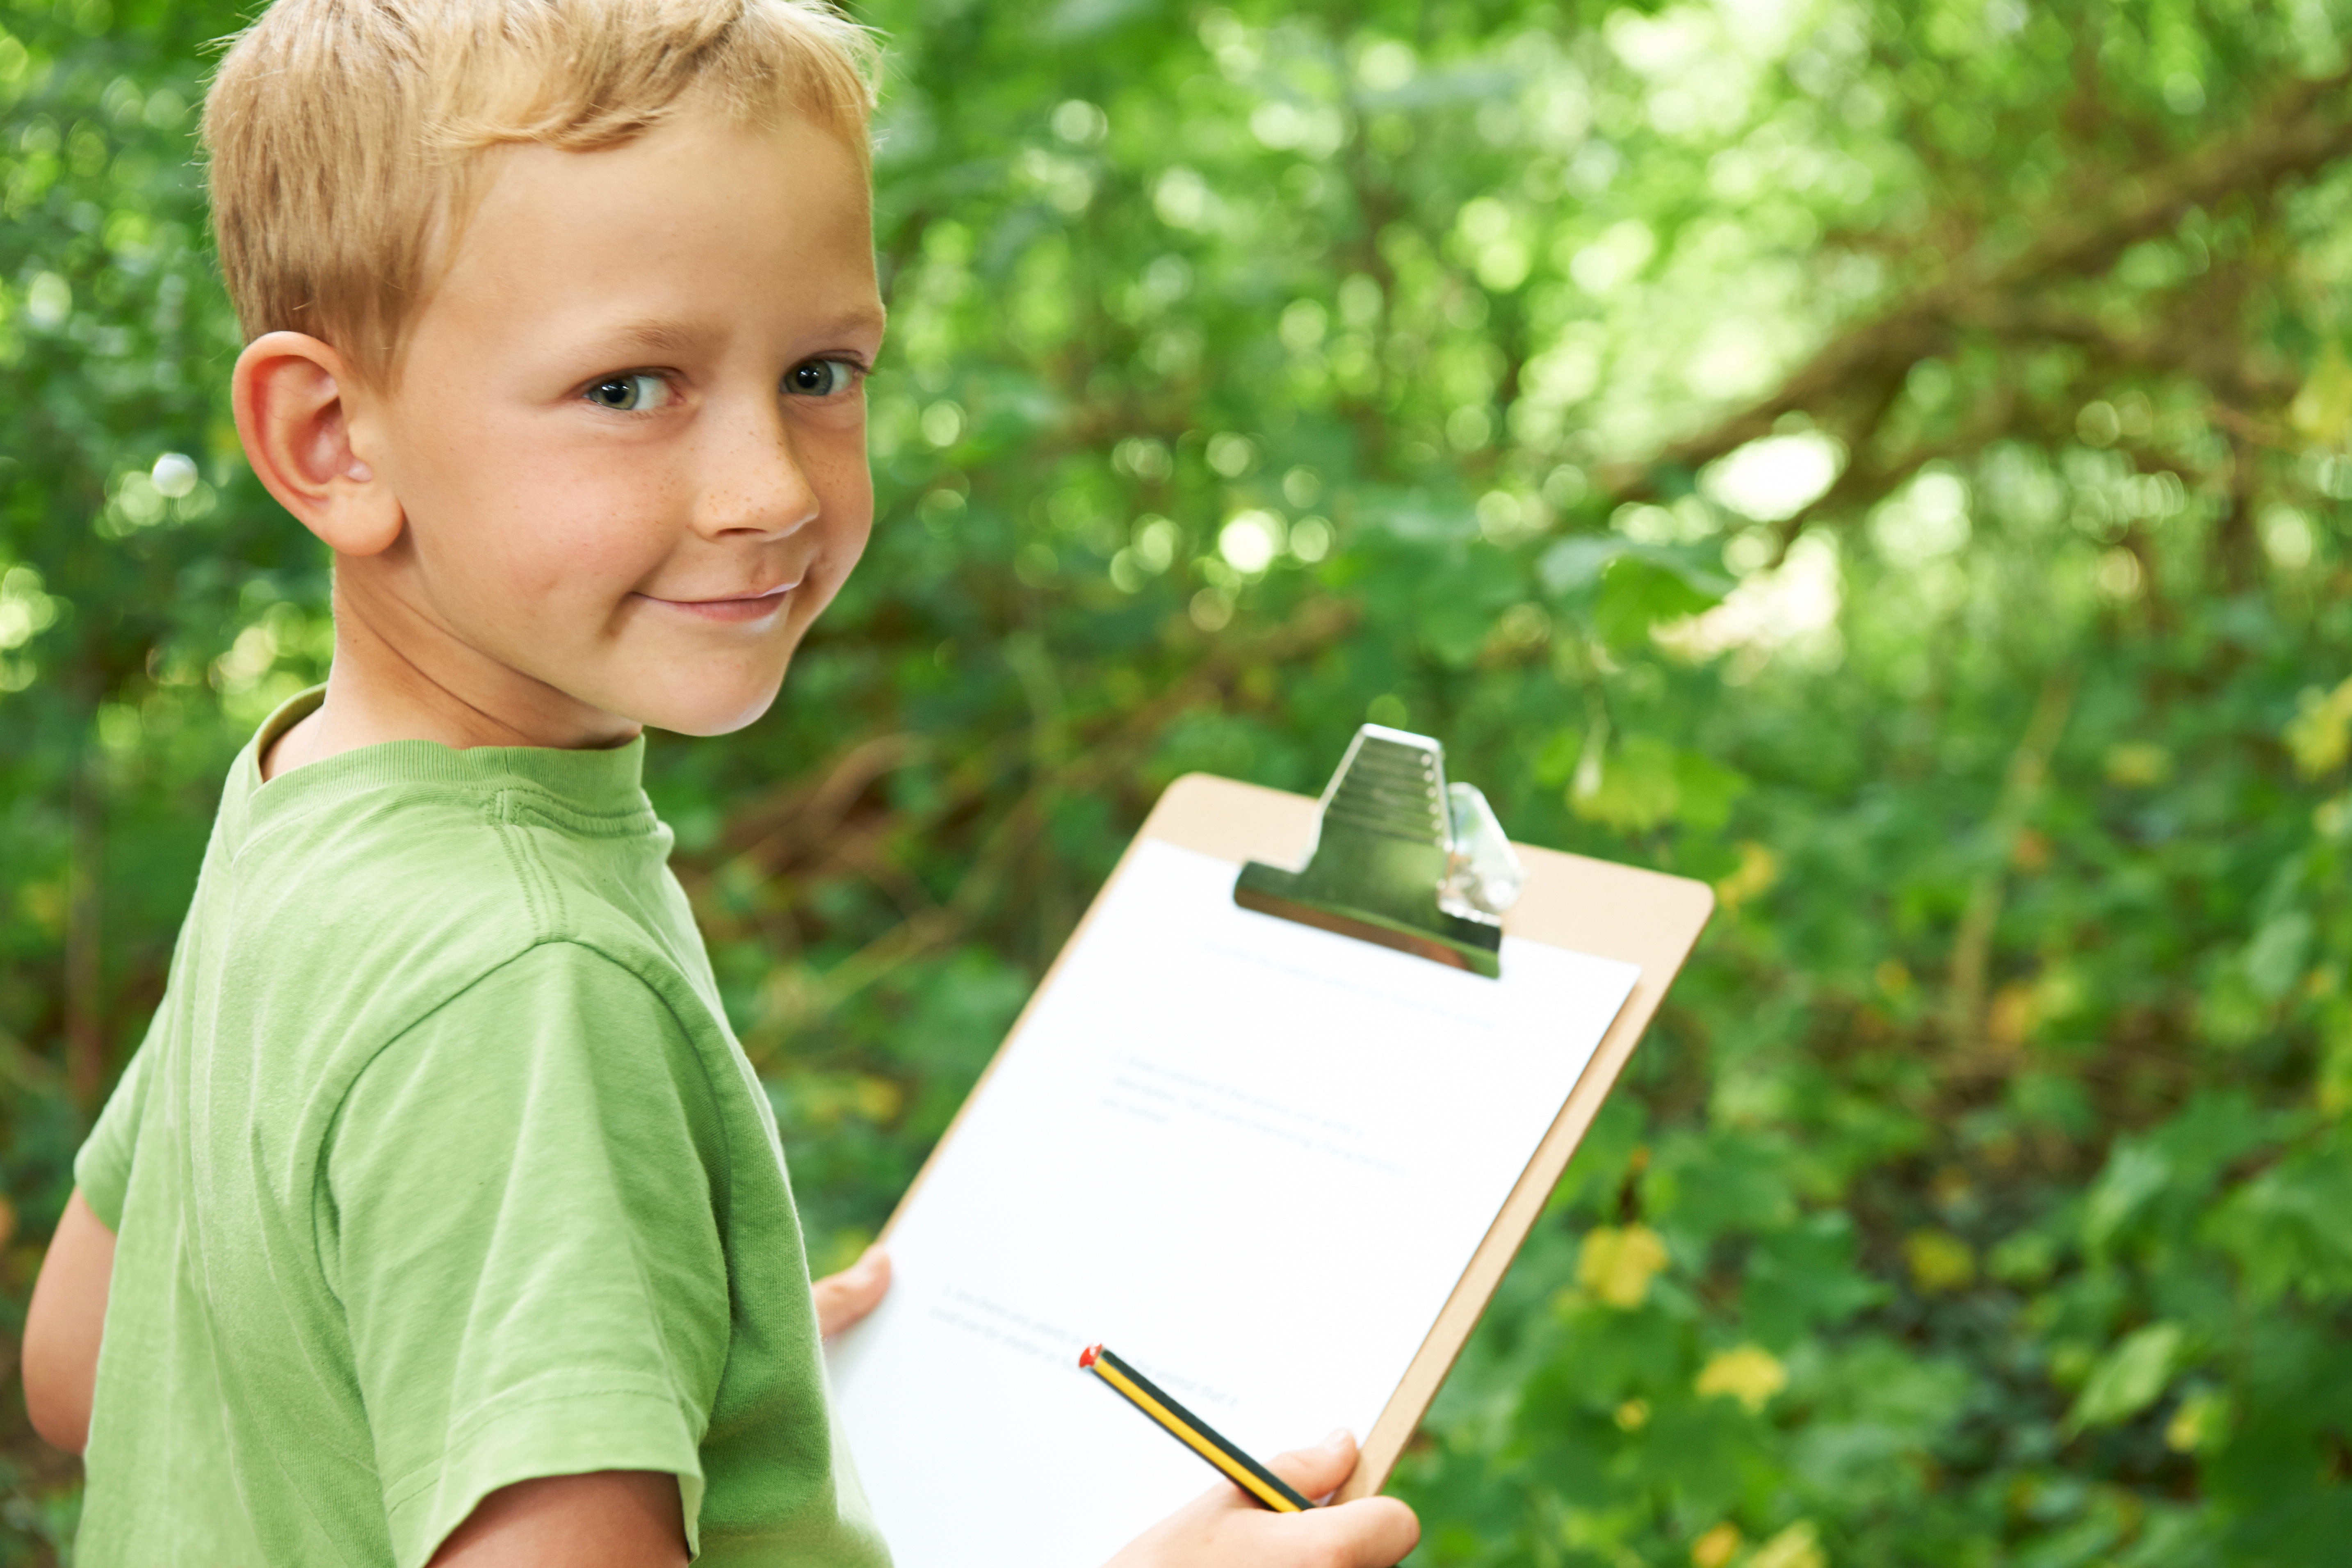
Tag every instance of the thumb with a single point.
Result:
(844, 1297)
(1320, 1469)
(1369, 1533)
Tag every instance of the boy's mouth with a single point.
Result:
(732, 607)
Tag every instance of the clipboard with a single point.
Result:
(1594, 907)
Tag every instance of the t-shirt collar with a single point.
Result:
(605, 782)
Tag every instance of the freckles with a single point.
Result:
(587, 540)
(845, 483)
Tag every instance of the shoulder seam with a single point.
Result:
(530, 873)
(334, 1117)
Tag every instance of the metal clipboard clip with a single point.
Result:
(1399, 858)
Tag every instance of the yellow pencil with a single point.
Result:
(1193, 1432)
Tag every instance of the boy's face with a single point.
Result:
(628, 435)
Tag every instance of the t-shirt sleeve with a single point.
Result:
(519, 1217)
(102, 1168)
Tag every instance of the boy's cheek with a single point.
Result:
(818, 594)
(565, 540)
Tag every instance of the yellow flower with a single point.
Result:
(1750, 1374)
(1798, 1546)
(2197, 1421)
(1939, 1260)
(1713, 1549)
(1617, 1264)
(2320, 733)
(2139, 764)
(1757, 869)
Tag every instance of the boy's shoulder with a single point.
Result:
(377, 885)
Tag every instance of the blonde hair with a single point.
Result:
(345, 133)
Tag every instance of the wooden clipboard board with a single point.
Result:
(1644, 918)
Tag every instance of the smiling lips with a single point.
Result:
(735, 607)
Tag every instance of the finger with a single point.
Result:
(843, 1299)
(1369, 1533)
(1320, 1469)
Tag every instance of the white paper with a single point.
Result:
(1252, 1157)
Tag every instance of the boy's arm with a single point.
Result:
(612, 1519)
(621, 1519)
(630, 1519)
(63, 1325)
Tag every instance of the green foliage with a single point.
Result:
(1887, 459)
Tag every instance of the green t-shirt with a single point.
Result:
(439, 1169)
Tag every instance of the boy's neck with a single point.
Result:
(398, 677)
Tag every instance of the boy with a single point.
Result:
(440, 1218)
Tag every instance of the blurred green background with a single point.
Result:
(1887, 457)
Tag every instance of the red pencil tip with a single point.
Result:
(1087, 1356)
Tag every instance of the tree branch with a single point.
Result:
(2304, 130)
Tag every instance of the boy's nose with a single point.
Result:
(755, 483)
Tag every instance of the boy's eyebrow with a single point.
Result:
(668, 334)
(851, 323)
(660, 335)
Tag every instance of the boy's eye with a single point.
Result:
(632, 393)
(821, 377)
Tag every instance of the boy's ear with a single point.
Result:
(294, 397)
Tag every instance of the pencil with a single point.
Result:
(1194, 1433)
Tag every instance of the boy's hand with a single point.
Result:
(842, 1299)
(1226, 1529)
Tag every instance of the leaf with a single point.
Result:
(1575, 564)
(2286, 1227)
(2217, 1128)
(2323, 407)
(2129, 1377)
(1647, 782)
(1451, 594)
(1804, 1279)
(1555, 763)
(1723, 1182)
(1639, 592)
(1638, 787)
(2274, 959)
(1073, 19)
(1705, 789)
(1455, 631)
(1581, 561)
(2135, 1173)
